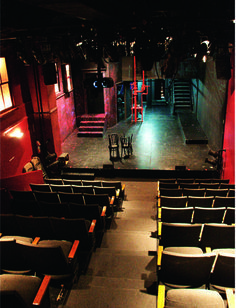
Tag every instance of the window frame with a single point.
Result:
(3, 84)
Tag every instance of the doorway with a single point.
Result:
(95, 96)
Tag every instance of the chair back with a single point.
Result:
(200, 201)
(176, 215)
(40, 187)
(223, 275)
(174, 234)
(73, 198)
(82, 189)
(208, 215)
(186, 270)
(218, 236)
(175, 202)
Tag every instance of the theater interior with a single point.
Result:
(117, 171)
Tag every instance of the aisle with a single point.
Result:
(122, 272)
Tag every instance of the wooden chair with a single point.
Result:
(113, 146)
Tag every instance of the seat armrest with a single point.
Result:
(208, 249)
(159, 201)
(42, 290)
(159, 213)
(230, 295)
(161, 296)
(117, 193)
(92, 226)
(112, 200)
(158, 189)
(73, 249)
(159, 228)
(159, 255)
(36, 241)
(103, 214)
(123, 187)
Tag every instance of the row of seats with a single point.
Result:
(200, 192)
(194, 180)
(48, 230)
(193, 201)
(215, 235)
(24, 201)
(98, 183)
(184, 260)
(197, 215)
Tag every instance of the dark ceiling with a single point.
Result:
(109, 23)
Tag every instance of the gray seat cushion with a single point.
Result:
(17, 238)
(197, 298)
(185, 250)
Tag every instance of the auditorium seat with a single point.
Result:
(200, 192)
(229, 216)
(178, 270)
(47, 196)
(82, 189)
(23, 291)
(71, 197)
(54, 181)
(61, 188)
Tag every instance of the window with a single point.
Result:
(57, 85)
(5, 96)
(68, 78)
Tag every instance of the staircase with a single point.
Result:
(182, 95)
(122, 272)
(92, 125)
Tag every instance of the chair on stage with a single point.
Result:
(126, 146)
(114, 146)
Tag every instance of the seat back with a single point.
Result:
(73, 198)
(174, 234)
(72, 182)
(171, 192)
(40, 187)
(22, 195)
(82, 189)
(186, 270)
(35, 227)
(54, 181)
(175, 202)
(200, 192)
(47, 196)
(217, 236)
(92, 183)
(229, 216)
(208, 215)
(48, 260)
(176, 215)
(223, 275)
(116, 184)
(50, 209)
(20, 291)
(224, 201)
(216, 192)
(110, 191)
(61, 188)
(12, 260)
(200, 201)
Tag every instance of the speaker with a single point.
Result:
(49, 74)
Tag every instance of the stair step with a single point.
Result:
(92, 123)
(93, 117)
(90, 134)
(91, 128)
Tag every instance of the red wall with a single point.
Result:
(16, 149)
(229, 131)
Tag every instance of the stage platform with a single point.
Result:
(159, 146)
